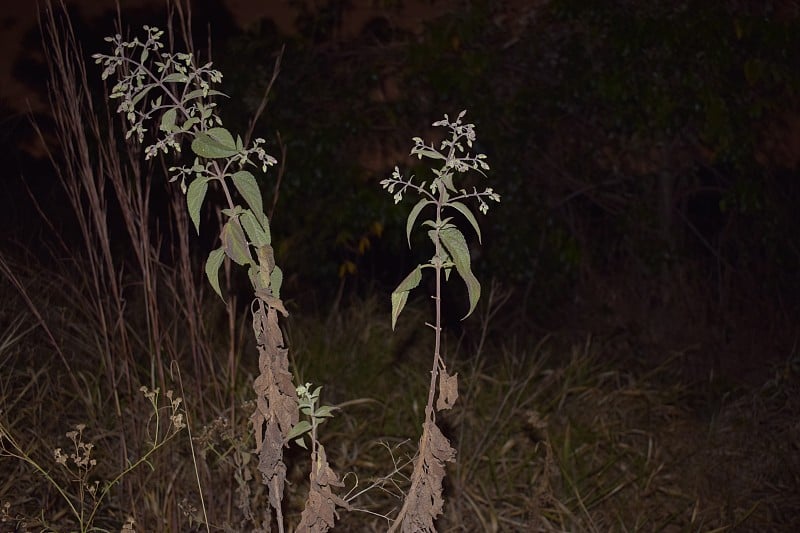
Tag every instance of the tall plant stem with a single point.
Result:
(430, 415)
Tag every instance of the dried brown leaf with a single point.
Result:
(448, 390)
(320, 513)
(424, 502)
(276, 399)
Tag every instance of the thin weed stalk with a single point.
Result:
(97, 175)
(183, 103)
(424, 502)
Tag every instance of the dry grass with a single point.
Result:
(554, 436)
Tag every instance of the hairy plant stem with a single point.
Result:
(430, 414)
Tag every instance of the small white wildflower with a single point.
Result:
(60, 457)
(149, 394)
(177, 421)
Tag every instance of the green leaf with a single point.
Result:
(234, 211)
(168, 119)
(252, 274)
(190, 122)
(301, 428)
(432, 224)
(412, 217)
(275, 281)
(141, 94)
(427, 153)
(215, 143)
(213, 263)
(176, 77)
(456, 246)
(326, 411)
(194, 199)
(254, 231)
(464, 210)
(400, 294)
(447, 180)
(247, 186)
(234, 242)
(222, 136)
(197, 93)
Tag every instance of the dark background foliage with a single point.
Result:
(646, 153)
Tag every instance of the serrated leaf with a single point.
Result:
(412, 217)
(168, 119)
(400, 294)
(234, 242)
(215, 143)
(175, 77)
(213, 263)
(453, 240)
(301, 428)
(464, 210)
(253, 229)
(247, 186)
(194, 199)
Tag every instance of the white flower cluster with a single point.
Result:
(455, 157)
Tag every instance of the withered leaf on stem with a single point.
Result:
(448, 390)
(424, 502)
(320, 513)
(276, 401)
